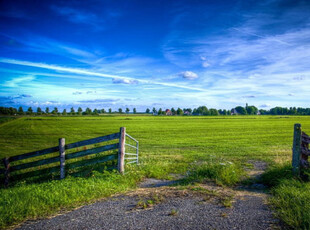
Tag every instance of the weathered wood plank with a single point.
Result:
(83, 163)
(34, 154)
(305, 151)
(92, 151)
(296, 150)
(34, 164)
(121, 150)
(62, 153)
(305, 140)
(93, 141)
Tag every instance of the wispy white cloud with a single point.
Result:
(15, 82)
(91, 73)
(40, 44)
(260, 59)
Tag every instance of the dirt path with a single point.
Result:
(156, 206)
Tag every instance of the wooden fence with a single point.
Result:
(62, 157)
(300, 150)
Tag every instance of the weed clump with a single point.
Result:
(223, 173)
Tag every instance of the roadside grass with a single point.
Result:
(291, 196)
(38, 200)
(216, 148)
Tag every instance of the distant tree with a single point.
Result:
(21, 111)
(47, 110)
(154, 110)
(120, 110)
(241, 110)
(80, 110)
(134, 110)
(110, 110)
(213, 112)
(95, 112)
(29, 111)
(72, 111)
(263, 111)
(127, 110)
(103, 111)
(202, 110)
(64, 112)
(87, 111)
(55, 111)
(13, 111)
(39, 111)
(173, 111)
(179, 111)
(251, 110)
(147, 110)
(160, 111)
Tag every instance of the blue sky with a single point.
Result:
(118, 54)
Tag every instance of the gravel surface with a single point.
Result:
(178, 209)
(192, 212)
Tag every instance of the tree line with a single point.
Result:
(200, 111)
(55, 111)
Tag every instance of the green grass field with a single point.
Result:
(168, 145)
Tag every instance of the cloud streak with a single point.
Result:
(91, 73)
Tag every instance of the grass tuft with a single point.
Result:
(223, 173)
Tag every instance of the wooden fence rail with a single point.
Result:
(300, 150)
(61, 148)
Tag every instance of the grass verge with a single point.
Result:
(291, 197)
(30, 201)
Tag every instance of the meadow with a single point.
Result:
(168, 146)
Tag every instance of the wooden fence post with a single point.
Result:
(6, 163)
(62, 153)
(121, 150)
(296, 150)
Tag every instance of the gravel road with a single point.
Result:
(201, 207)
(190, 211)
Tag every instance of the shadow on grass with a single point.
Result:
(273, 176)
(290, 195)
(81, 168)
